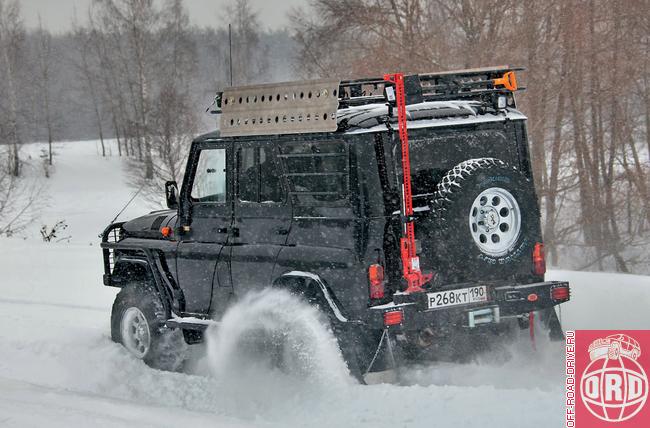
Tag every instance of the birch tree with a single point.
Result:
(45, 61)
(12, 39)
(249, 62)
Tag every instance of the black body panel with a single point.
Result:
(320, 207)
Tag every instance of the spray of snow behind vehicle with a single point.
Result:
(506, 365)
(275, 334)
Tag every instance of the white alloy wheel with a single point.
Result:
(136, 336)
(495, 221)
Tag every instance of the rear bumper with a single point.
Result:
(507, 301)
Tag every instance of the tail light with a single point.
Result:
(393, 318)
(561, 293)
(539, 260)
(376, 280)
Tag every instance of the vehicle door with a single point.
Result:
(262, 215)
(207, 224)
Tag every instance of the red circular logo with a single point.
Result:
(614, 386)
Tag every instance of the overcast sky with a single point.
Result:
(57, 14)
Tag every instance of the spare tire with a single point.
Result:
(485, 222)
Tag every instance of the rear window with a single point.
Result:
(317, 172)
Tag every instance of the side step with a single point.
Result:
(190, 323)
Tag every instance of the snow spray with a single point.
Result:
(275, 334)
(506, 365)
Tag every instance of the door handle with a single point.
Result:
(234, 230)
(282, 231)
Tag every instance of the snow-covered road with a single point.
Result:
(58, 366)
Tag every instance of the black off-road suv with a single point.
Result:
(303, 188)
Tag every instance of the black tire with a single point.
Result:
(166, 350)
(454, 253)
(358, 346)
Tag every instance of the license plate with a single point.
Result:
(461, 296)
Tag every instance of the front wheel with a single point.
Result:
(138, 323)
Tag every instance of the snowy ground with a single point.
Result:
(58, 366)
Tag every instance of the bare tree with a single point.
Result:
(44, 82)
(249, 61)
(133, 25)
(139, 60)
(173, 115)
(88, 71)
(12, 38)
(345, 36)
(19, 202)
(588, 86)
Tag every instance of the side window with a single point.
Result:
(270, 186)
(317, 172)
(210, 177)
(248, 175)
(258, 177)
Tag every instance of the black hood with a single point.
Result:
(148, 226)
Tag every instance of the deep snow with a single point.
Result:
(58, 366)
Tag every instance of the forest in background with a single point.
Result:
(587, 97)
(139, 72)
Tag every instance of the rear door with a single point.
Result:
(262, 215)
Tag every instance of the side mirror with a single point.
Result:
(171, 195)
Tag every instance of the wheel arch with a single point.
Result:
(130, 269)
(148, 266)
(314, 288)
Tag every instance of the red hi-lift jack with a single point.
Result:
(414, 277)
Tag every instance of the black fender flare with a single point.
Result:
(157, 274)
(126, 268)
(314, 288)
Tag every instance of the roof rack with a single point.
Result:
(478, 84)
(311, 106)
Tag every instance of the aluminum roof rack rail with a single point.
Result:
(312, 105)
(480, 84)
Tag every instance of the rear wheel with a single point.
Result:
(138, 323)
(357, 345)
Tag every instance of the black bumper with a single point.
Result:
(503, 301)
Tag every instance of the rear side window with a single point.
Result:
(317, 172)
(258, 177)
(270, 184)
(248, 176)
